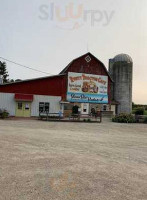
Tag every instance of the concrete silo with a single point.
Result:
(121, 71)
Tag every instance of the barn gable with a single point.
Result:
(86, 63)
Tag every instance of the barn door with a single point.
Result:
(85, 108)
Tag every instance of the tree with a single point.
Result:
(3, 72)
(133, 105)
(18, 80)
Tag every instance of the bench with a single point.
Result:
(74, 116)
(47, 116)
(86, 116)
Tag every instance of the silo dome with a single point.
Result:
(123, 58)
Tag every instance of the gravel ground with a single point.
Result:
(72, 161)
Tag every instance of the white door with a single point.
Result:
(85, 108)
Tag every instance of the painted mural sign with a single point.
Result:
(87, 88)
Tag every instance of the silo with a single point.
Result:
(121, 71)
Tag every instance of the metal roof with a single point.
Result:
(123, 58)
(33, 79)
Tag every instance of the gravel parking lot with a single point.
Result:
(72, 161)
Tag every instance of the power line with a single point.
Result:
(25, 66)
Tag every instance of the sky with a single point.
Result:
(47, 35)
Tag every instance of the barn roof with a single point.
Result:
(66, 68)
(63, 72)
(33, 79)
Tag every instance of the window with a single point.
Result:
(44, 106)
(85, 107)
(19, 105)
(41, 106)
(27, 106)
(68, 106)
(104, 108)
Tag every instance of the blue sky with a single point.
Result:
(33, 35)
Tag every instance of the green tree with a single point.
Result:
(3, 72)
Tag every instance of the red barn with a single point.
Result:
(85, 82)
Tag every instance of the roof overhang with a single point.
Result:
(23, 97)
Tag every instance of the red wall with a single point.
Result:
(54, 86)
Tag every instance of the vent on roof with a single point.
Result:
(87, 58)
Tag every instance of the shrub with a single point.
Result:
(88, 120)
(139, 111)
(3, 113)
(145, 120)
(124, 118)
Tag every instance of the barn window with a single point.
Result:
(88, 58)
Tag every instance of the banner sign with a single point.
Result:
(87, 88)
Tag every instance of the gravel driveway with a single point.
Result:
(72, 161)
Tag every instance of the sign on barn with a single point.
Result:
(87, 88)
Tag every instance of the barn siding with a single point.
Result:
(81, 66)
(7, 102)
